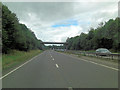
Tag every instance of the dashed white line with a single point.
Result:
(53, 59)
(57, 65)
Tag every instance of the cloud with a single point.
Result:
(61, 33)
(59, 0)
(55, 21)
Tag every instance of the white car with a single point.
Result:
(102, 51)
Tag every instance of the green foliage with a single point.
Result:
(55, 47)
(105, 36)
(16, 35)
(17, 57)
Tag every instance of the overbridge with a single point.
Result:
(64, 43)
(54, 43)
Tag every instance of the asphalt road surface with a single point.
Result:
(52, 69)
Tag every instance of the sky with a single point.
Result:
(56, 21)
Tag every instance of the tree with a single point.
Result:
(16, 35)
(106, 35)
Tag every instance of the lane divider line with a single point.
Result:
(57, 65)
(53, 59)
(18, 67)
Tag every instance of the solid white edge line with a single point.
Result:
(101, 65)
(93, 62)
(18, 67)
(70, 88)
(57, 65)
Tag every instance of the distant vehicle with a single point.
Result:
(102, 52)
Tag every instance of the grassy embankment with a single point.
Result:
(17, 57)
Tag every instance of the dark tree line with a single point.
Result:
(55, 47)
(106, 35)
(16, 35)
(0, 27)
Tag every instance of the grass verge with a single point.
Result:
(17, 57)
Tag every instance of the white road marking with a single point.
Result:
(53, 59)
(57, 65)
(94, 63)
(101, 65)
(17, 68)
(70, 88)
(109, 67)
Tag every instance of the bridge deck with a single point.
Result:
(54, 43)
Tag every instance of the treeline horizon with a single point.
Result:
(106, 35)
(55, 47)
(15, 35)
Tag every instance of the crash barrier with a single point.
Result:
(102, 55)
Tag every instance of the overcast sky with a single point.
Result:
(56, 21)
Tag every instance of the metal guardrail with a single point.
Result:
(111, 56)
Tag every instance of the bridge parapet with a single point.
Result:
(54, 43)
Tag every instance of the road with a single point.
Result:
(52, 69)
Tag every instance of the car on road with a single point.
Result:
(102, 52)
